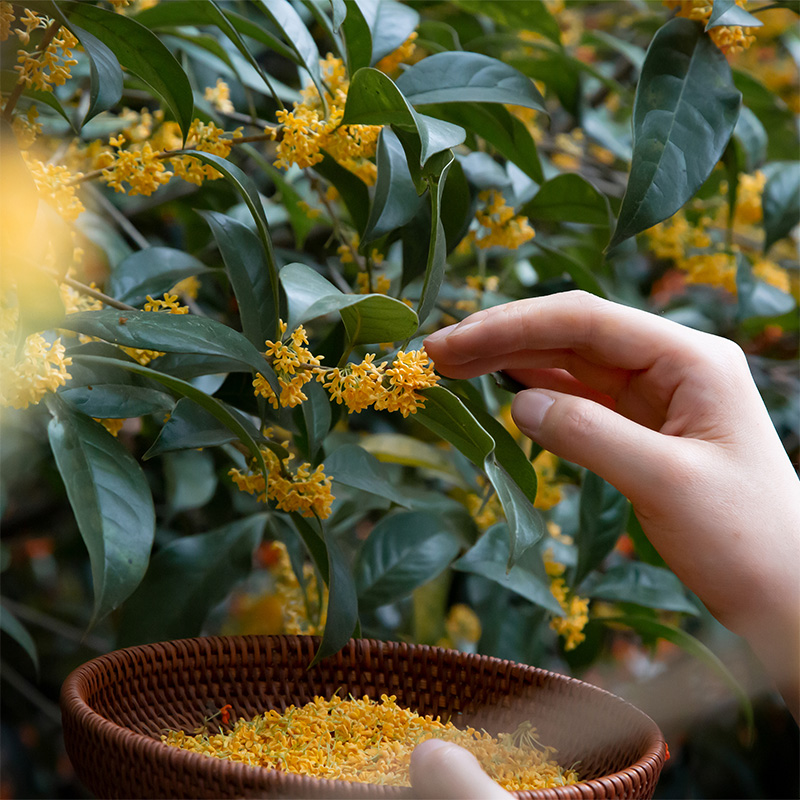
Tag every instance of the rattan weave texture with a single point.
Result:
(115, 707)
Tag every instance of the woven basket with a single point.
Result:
(116, 706)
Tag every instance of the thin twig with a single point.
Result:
(337, 228)
(97, 294)
(117, 216)
(19, 87)
(30, 692)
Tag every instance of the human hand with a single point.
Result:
(444, 770)
(672, 418)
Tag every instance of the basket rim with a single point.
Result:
(72, 699)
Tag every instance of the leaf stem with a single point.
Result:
(97, 294)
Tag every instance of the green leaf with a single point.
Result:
(249, 273)
(462, 77)
(339, 13)
(186, 579)
(14, 628)
(394, 23)
(356, 30)
(141, 52)
(106, 71)
(342, 603)
(214, 407)
(781, 201)
(249, 192)
(170, 333)
(556, 260)
(527, 578)
(190, 426)
(316, 415)
(726, 12)
(568, 198)
(644, 548)
(288, 21)
(110, 392)
(353, 466)
(403, 551)
(683, 116)
(353, 190)
(152, 271)
(751, 138)
(603, 517)
(530, 15)
(525, 524)
(373, 99)
(449, 418)
(190, 480)
(435, 175)
(111, 501)
(756, 298)
(368, 318)
(395, 201)
(650, 627)
(503, 131)
(640, 583)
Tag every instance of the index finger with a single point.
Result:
(604, 332)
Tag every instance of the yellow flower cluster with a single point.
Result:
(395, 388)
(305, 131)
(500, 227)
(169, 304)
(729, 38)
(141, 168)
(26, 128)
(47, 68)
(380, 283)
(294, 365)
(219, 96)
(6, 20)
(295, 602)
(34, 369)
(371, 742)
(463, 627)
(55, 184)
(207, 138)
(307, 491)
(576, 609)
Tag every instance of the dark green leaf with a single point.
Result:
(448, 417)
(503, 131)
(643, 584)
(313, 543)
(435, 175)
(394, 23)
(373, 99)
(190, 479)
(14, 628)
(353, 466)
(356, 30)
(249, 274)
(353, 190)
(368, 318)
(190, 426)
(395, 201)
(684, 113)
(186, 579)
(342, 603)
(603, 516)
(751, 136)
(169, 333)
(650, 627)
(249, 192)
(288, 21)
(140, 52)
(556, 260)
(644, 549)
(518, 15)
(525, 524)
(781, 201)
(756, 298)
(527, 578)
(463, 77)
(726, 12)
(105, 69)
(403, 551)
(152, 271)
(568, 198)
(316, 413)
(111, 501)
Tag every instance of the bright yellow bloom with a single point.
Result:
(140, 167)
(306, 490)
(729, 38)
(169, 303)
(358, 386)
(26, 128)
(113, 426)
(207, 138)
(219, 96)
(188, 286)
(409, 372)
(462, 625)
(380, 283)
(772, 273)
(714, 269)
(499, 225)
(371, 741)
(576, 609)
(748, 199)
(52, 66)
(293, 364)
(548, 491)
(53, 182)
(401, 55)
(6, 19)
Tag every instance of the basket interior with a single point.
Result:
(173, 685)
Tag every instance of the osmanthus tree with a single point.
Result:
(228, 227)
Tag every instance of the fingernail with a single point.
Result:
(440, 334)
(529, 408)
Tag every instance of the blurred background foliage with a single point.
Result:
(418, 211)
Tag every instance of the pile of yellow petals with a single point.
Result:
(306, 490)
(370, 742)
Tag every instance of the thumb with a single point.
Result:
(444, 770)
(630, 456)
